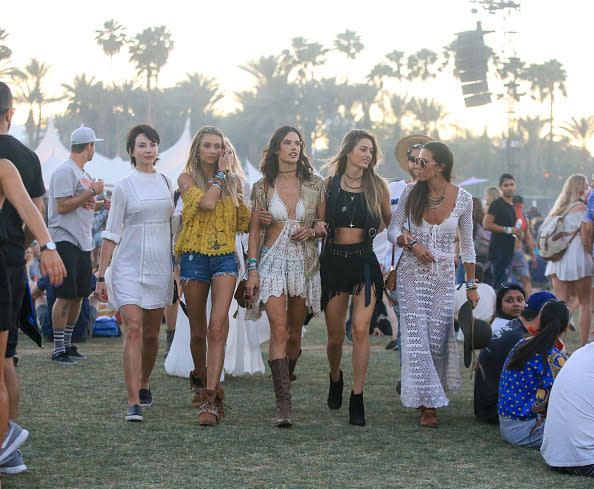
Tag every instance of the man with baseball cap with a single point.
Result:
(492, 358)
(71, 208)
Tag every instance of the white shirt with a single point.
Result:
(396, 189)
(568, 439)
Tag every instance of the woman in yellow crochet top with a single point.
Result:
(213, 213)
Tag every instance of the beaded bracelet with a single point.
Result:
(412, 243)
(252, 268)
(471, 284)
(252, 261)
(221, 176)
(218, 184)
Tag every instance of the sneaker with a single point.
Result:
(13, 439)
(14, 463)
(72, 352)
(62, 358)
(146, 398)
(392, 345)
(134, 413)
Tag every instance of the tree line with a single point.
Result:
(288, 87)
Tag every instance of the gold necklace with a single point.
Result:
(345, 207)
(435, 202)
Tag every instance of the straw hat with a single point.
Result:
(401, 151)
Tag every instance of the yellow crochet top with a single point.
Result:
(210, 232)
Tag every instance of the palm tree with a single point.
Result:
(531, 129)
(149, 51)
(199, 93)
(304, 56)
(421, 65)
(267, 70)
(580, 130)
(349, 43)
(429, 113)
(111, 38)
(396, 59)
(545, 80)
(82, 95)
(31, 92)
(5, 55)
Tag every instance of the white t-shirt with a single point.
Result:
(396, 189)
(486, 305)
(568, 439)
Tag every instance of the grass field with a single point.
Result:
(79, 438)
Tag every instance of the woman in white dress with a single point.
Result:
(428, 215)
(572, 274)
(137, 245)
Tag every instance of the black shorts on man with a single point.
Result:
(78, 269)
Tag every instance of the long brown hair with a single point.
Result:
(269, 163)
(195, 170)
(418, 198)
(374, 186)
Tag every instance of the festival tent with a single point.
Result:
(473, 181)
(173, 160)
(51, 151)
(253, 175)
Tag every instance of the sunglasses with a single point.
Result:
(422, 162)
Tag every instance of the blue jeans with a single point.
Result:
(522, 433)
(501, 267)
(205, 268)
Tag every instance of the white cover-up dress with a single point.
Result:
(141, 270)
(282, 266)
(576, 263)
(430, 365)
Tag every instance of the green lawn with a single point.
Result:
(79, 438)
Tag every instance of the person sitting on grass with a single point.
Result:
(492, 358)
(527, 377)
(509, 304)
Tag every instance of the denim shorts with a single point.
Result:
(205, 268)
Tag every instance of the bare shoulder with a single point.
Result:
(184, 181)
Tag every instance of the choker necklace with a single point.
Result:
(351, 178)
(346, 184)
(288, 171)
(435, 202)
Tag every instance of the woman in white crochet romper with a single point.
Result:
(283, 265)
(428, 215)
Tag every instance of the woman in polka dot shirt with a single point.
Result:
(527, 378)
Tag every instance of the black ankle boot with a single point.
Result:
(335, 393)
(357, 410)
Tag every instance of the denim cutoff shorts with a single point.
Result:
(205, 268)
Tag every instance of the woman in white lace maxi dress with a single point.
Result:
(283, 264)
(432, 210)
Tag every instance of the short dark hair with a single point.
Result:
(5, 98)
(504, 177)
(78, 148)
(518, 199)
(136, 131)
(529, 314)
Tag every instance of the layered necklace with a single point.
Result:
(435, 202)
(348, 206)
(349, 179)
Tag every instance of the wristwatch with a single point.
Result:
(93, 191)
(50, 245)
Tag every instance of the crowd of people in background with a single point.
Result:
(310, 247)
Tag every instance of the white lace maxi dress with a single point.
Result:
(430, 365)
(139, 223)
(281, 268)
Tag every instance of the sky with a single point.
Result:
(215, 38)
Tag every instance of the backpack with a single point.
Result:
(481, 241)
(553, 239)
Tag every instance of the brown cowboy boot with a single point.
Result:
(292, 365)
(209, 412)
(428, 417)
(280, 378)
(197, 383)
(220, 396)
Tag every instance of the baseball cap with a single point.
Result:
(539, 299)
(83, 135)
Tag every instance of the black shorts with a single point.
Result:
(12, 291)
(78, 267)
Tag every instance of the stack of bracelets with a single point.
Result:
(219, 179)
(471, 284)
(252, 264)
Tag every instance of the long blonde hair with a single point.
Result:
(194, 168)
(572, 191)
(236, 163)
(374, 186)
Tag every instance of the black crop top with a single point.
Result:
(350, 210)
